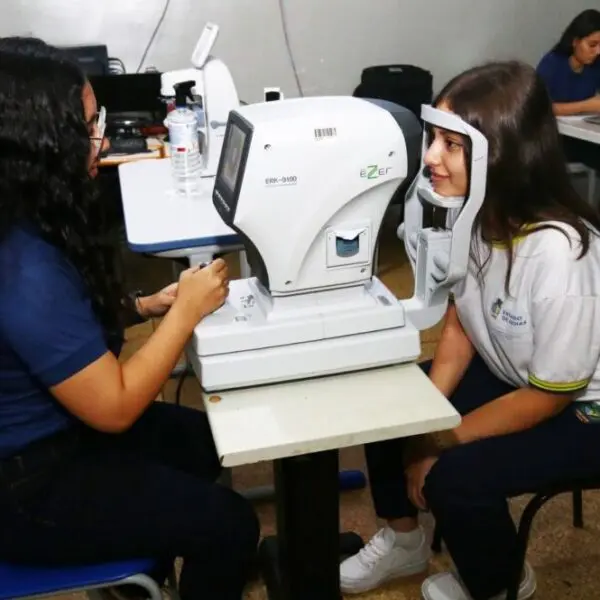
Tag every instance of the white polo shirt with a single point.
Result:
(546, 333)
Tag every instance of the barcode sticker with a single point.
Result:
(327, 132)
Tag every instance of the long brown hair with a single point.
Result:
(527, 180)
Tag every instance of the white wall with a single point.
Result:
(332, 40)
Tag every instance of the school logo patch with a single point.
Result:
(509, 315)
(496, 307)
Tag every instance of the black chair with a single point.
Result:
(533, 506)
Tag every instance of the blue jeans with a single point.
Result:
(87, 497)
(467, 489)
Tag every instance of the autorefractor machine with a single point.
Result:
(306, 183)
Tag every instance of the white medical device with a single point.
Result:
(305, 183)
(215, 86)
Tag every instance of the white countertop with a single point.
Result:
(294, 418)
(576, 127)
(158, 220)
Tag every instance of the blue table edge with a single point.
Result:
(158, 247)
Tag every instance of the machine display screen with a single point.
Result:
(232, 158)
(232, 166)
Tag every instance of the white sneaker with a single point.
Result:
(447, 586)
(382, 560)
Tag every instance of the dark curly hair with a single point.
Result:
(44, 153)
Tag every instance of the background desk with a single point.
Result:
(576, 127)
(301, 425)
(155, 150)
(158, 221)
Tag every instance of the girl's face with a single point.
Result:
(445, 158)
(98, 142)
(586, 50)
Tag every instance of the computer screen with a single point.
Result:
(132, 92)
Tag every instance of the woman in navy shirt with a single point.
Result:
(91, 468)
(571, 71)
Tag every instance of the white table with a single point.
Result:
(160, 222)
(301, 425)
(576, 127)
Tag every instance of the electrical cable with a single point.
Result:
(151, 40)
(286, 37)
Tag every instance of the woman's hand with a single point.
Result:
(416, 473)
(201, 291)
(157, 305)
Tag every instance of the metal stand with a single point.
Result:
(302, 562)
(348, 480)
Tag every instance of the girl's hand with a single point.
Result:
(416, 473)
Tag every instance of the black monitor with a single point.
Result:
(232, 164)
(131, 92)
(93, 60)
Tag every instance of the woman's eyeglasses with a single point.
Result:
(98, 138)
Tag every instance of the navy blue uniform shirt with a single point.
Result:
(564, 84)
(48, 332)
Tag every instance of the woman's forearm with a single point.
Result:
(452, 356)
(109, 395)
(146, 371)
(517, 411)
(565, 109)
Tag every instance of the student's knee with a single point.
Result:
(189, 433)
(454, 480)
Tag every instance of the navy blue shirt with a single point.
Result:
(564, 84)
(48, 332)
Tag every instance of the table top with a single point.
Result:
(155, 150)
(576, 127)
(303, 417)
(158, 220)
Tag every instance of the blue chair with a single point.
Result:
(18, 582)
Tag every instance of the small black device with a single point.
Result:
(93, 60)
(128, 145)
(273, 94)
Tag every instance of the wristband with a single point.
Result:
(132, 304)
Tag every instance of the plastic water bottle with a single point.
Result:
(186, 160)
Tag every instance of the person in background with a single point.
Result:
(518, 356)
(571, 72)
(92, 469)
